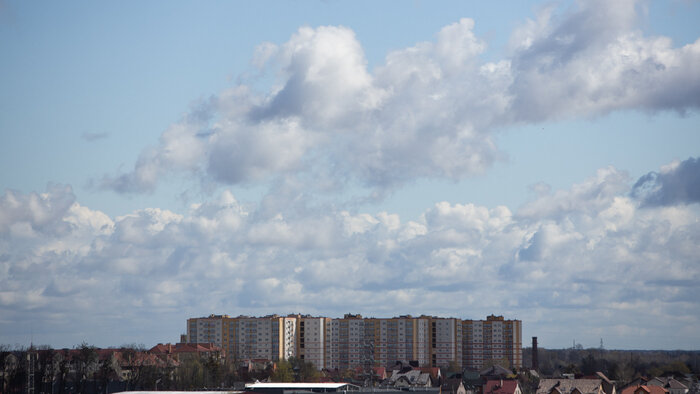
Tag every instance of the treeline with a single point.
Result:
(90, 370)
(87, 369)
(620, 365)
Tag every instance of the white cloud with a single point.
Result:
(430, 110)
(596, 60)
(593, 245)
(599, 248)
(677, 182)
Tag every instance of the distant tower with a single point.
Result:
(535, 360)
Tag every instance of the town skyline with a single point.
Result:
(526, 342)
(171, 159)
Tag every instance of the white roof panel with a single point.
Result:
(296, 385)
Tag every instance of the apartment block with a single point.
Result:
(354, 341)
(445, 341)
(206, 329)
(311, 343)
(245, 338)
(491, 339)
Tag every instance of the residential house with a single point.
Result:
(501, 386)
(642, 389)
(408, 377)
(669, 383)
(599, 385)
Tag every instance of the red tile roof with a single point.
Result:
(500, 386)
(644, 390)
(169, 348)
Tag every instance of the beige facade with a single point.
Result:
(492, 339)
(206, 329)
(354, 341)
(311, 340)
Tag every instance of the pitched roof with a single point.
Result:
(674, 384)
(603, 377)
(185, 348)
(500, 386)
(413, 377)
(495, 370)
(567, 386)
(645, 390)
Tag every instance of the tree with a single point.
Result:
(348, 375)
(453, 366)
(503, 362)
(213, 370)
(85, 364)
(572, 368)
(283, 372)
(676, 368)
(63, 371)
(308, 372)
(589, 365)
(230, 371)
(190, 374)
(528, 382)
(46, 373)
(105, 371)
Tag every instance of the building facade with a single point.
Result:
(492, 339)
(354, 341)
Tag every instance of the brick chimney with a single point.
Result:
(535, 360)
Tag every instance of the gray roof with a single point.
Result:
(495, 370)
(413, 377)
(567, 386)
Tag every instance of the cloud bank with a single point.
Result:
(677, 183)
(614, 257)
(428, 111)
(593, 255)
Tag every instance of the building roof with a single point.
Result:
(412, 377)
(495, 370)
(185, 348)
(500, 386)
(644, 389)
(675, 384)
(567, 386)
(297, 386)
(603, 377)
(668, 382)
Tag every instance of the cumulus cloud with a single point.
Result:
(594, 193)
(591, 251)
(34, 213)
(677, 183)
(429, 110)
(595, 60)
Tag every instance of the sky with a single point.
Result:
(164, 160)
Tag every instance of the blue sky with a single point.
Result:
(165, 160)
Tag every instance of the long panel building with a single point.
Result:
(354, 341)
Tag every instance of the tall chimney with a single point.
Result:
(535, 361)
